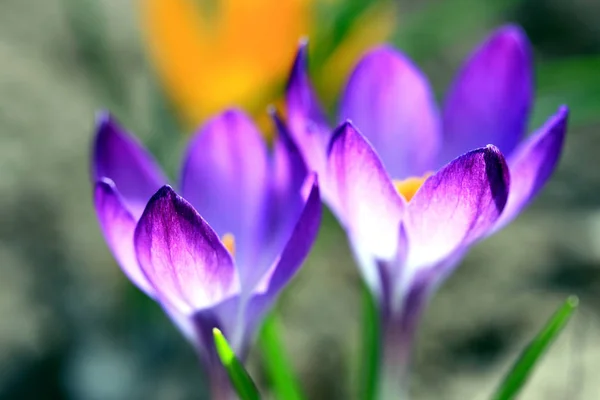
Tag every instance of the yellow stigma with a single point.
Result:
(229, 242)
(408, 187)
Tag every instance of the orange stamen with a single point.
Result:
(408, 187)
(229, 242)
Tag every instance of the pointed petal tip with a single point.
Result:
(303, 43)
(493, 150)
(563, 111)
(272, 110)
(232, 113)
(343, 129)
(103, 117)
(300, 65)
(107, 128)
(345, 126)
(512, 31)
(275, 116)
(510, 37)
(310, 189)
(559, 120)
(104, 186)
(164, 191)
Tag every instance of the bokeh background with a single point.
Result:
(73, 327)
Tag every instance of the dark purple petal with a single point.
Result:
(285, 201)
(491, 97)
(122, 159)
(456, 206)
(296, 249)
(390, 101)
(181, 255)
(118, 226)
(533, 163)
(225, 178)
(365, 199)
(307, 121)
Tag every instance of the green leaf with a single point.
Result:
(243, 384)
(285, 385)
(371, 347)
(523, 367)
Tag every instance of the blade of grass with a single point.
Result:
(523, 367)
(371, 349)
(281, 376)
(243, 384)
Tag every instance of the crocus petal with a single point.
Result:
(532, 164)
(296, 249)
(456, 206)
(181, 255)
(223, 316)
(491, 97)
(285, 202)
(365, 199)
(119, 157)
(225, 178)
(390, 101)
(305, 116)
(118, 226)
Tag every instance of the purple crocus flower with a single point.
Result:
(218, 255)
(417, 187)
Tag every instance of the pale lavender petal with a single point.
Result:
(390, 101)
(491, 97)
(365, 200)
(306, 118)
(533, 163)
(225, 178)
(118, 226)
(182, 256)
(456, 206)
(121, 158)
(296, 249)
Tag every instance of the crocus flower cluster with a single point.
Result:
(414, 187)
(219, 254)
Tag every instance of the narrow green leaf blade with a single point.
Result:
(285, 385)
(524, 365)
(243, 384)
(371, 347)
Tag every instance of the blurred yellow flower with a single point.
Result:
(210, 55)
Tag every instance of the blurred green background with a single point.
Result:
(73, 327)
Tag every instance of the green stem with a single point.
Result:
(395, 361)
(371, 346)
(281, 376)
